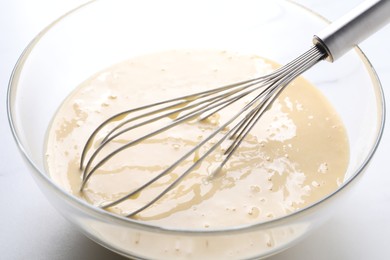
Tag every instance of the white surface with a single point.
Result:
(31, 229)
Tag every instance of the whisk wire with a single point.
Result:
(210, 101)
(193, 114)
(308, 59)
(124, 114)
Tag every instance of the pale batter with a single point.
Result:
(297, 153)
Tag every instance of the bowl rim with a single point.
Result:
(111, 217)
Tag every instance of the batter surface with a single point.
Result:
(297, 153)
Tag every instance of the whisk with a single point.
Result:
(330, 44)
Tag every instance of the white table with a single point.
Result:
(31, 229)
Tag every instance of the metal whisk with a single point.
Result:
(330, 44)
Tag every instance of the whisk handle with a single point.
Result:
(354, 27)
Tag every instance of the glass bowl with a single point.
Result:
(101, 33)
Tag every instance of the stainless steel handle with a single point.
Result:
(354, 27)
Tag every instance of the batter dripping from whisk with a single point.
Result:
(296, 154)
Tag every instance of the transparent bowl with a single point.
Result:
(101, 33)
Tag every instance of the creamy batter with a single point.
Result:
(297, 153)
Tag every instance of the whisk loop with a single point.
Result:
(201, 106)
